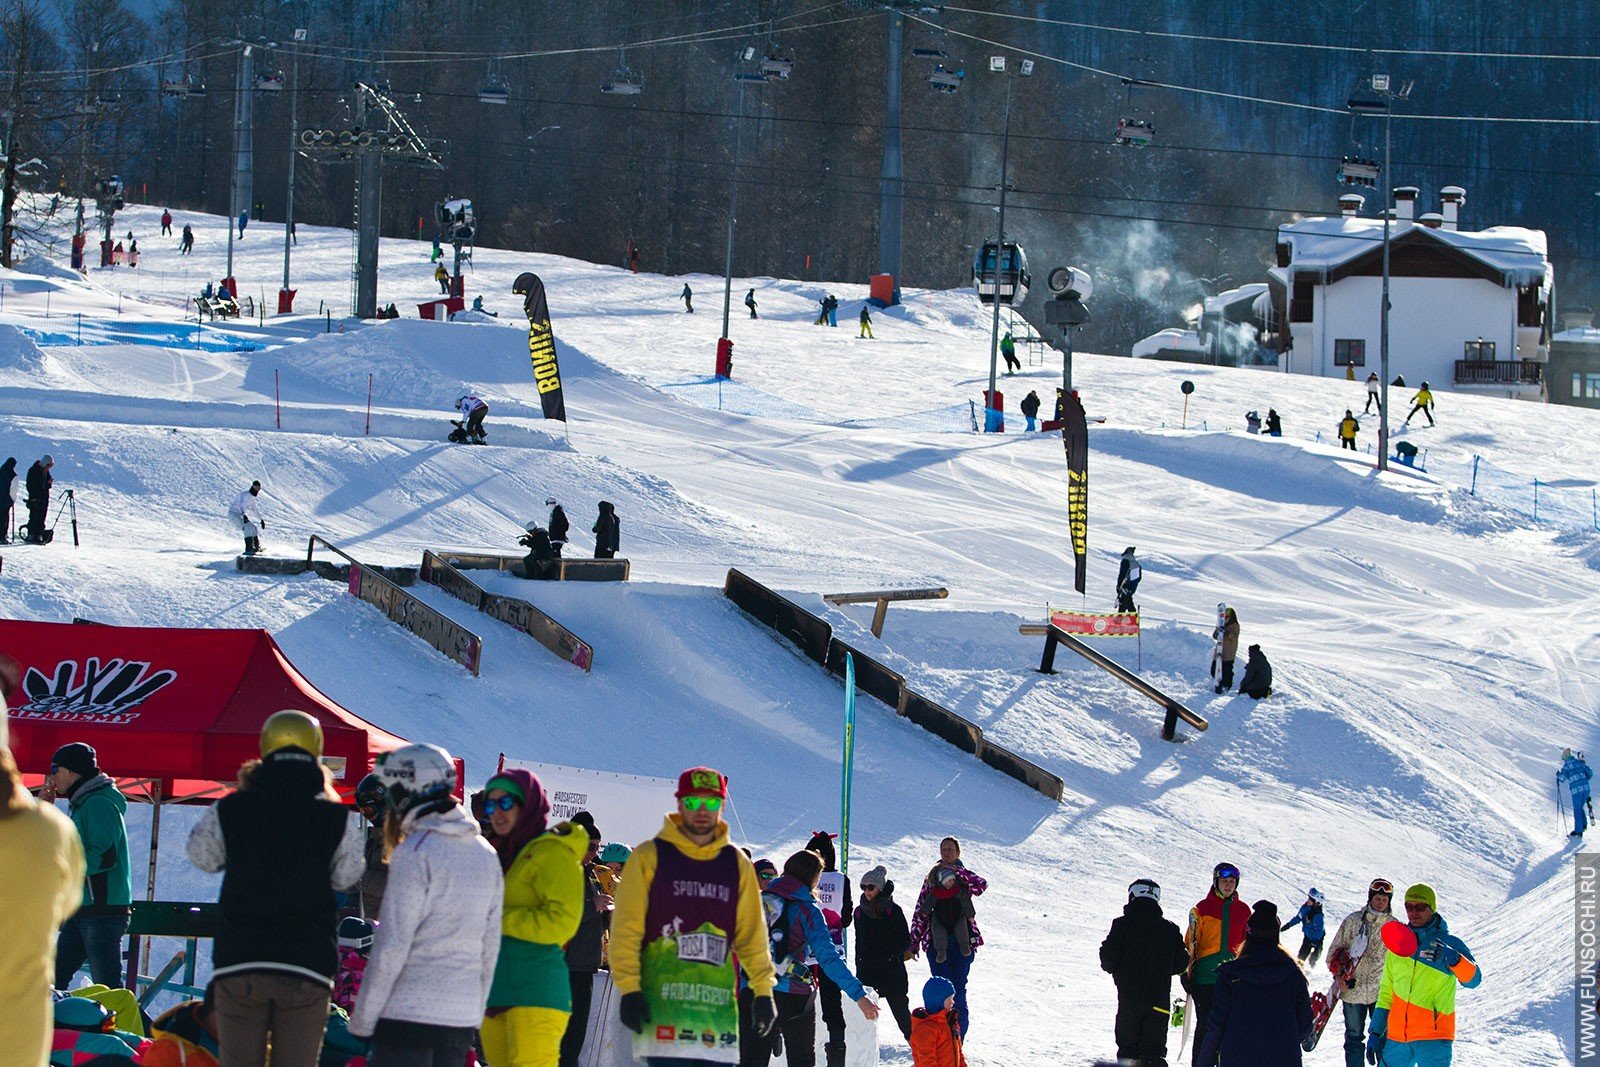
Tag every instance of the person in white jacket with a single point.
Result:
(246, 510)
(427, 982)
(473, 412)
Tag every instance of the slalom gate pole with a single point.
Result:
(369, 405)
(847, 768)
(277, 401)
(1474, 490)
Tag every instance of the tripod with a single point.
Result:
(70, 503)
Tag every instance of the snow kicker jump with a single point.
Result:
(1054, 636)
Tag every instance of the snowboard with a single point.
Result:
(1216, 640)
(1322, 1004)
(1188, 1025)
(458, 436)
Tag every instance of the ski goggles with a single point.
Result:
(502, 803)
(1227, 870)
(1381, 885)
(702, 803)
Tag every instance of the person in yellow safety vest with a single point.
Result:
(442, 276)
(1414, 1021)
(1347, 430)
(1422, 402)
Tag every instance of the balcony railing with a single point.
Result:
(1498, 372)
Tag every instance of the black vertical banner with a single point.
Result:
(1075, 436)
(541, 345)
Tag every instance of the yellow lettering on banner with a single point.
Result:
(542, 350)
(1078, 510)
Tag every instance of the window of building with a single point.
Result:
(1479, 351)
(1350, 353)
(1585, 386)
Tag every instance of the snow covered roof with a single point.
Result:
(1229, 297)
(1518, 254)
(1583, 335)
(1184, 340)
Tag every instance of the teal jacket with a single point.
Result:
(97, 811)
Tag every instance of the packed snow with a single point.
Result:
(1433, 649)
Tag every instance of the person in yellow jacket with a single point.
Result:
(1347, 430)
(40, 848)
(530, 998)
(1414, 1022)
(687, 903)
(1422, 402)
(441, 274)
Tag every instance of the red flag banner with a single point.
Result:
(1085, 624)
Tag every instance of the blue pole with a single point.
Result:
(847, 770)
(1474, 490)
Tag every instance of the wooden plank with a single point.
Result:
(593, 570)
(872, 677)
(941, 721)
(1025, 771)
(521, 615)
(809, 633)
(443, 633)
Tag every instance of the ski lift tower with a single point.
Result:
(458, 224)
(377, 133)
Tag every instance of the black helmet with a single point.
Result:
(371, 792)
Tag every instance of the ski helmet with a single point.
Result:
(1380, 885)
(1144, 887)
(1224, 870)
(371, 792)
(615, 852)
(355, 932)
(1315, 894)
(415, 775)
(291, 729)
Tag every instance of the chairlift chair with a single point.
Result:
(107, 100)
(1135, 133)
(197, 90)
(749, 76)
(271, 81)
(944, 79)
(930, 46)
(1000, 273)
(494, 91)
(1359, 172)
(624, 81)
(777, 65)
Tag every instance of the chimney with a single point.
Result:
(1432, 220)
(1451, 198)
(1350, 204)
(1405, 202)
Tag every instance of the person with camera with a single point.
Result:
(38, 484)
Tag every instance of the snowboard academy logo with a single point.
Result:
(95, 692)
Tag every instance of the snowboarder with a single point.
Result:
(186, 242)
(558, 525)
(1215, 935)
(473, 412)
(1422, 402)
(750, 302)
(936, 1027)
(945, 923)
(866, 324)
(1252, 422)
(1312, 928)
(1228, 635)
(1374, 394)
(883, 940)
(832, 307)
(1416, 1007)
(437, 253)
(441, 274)
(8, 497)
(687, 296)
(1274, 423)
(244, 217)
(247, 510)
(540, 563)
(477, 305)
(133, 253)
(38, 483)
(1348, 426)
(1128, 575)
(1358, 940)
(607, 530)
(1008, 350)
(1030, 410)
(166, 222)
(1142, 953)
(1257, 680)
(1262, 1008)
(1574, 775)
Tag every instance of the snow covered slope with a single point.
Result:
(1433, 650)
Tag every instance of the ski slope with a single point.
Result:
(1433, 651)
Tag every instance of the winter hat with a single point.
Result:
(935, 992)
(822, 844)
(1263, 924)
(878, 877)
(1254, 649)
(506, 783)
(1422, 893)
(699, 781)
(767, 867)
(585, 820)
(1128, 551)
(1315, 894)
(48, 460)
(78, 758)
(1566, 753)
(355, 932)
(1144, 887)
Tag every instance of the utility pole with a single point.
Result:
(997, 64)
(733, 205)
(286, 294)
(892, 186)
(241, 188)
(369, 201)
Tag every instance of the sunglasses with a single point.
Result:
(869, 889)
(702, 803)
(505, 803)
(1417, 905)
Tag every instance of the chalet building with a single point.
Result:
(1469, 310)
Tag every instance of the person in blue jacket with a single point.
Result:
(800, 938)
(1261, 1009)
(1309, 919)
(1575, 775)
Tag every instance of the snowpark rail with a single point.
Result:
(813, 636)
(518, 614)
(443, 633)
(1169, 728)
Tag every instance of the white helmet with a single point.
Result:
(416, 774)
(1316, 895)
(1144, 887)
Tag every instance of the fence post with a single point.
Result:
(1536, 500)
(1474, 490)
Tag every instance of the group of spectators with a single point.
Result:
(37, 481)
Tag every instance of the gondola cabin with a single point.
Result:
(1000, 273)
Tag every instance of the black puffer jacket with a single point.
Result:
(882, 941)
(1260, 1012)
(1142, 952)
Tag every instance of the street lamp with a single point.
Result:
(997, 65)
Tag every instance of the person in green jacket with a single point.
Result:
(1414, 1022)
(530, 998)
(94, 934)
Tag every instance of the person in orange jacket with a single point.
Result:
(935, 1028)
(184, 1036)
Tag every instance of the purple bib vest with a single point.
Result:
(687, 966)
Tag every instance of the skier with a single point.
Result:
(133, 253)
(166, 222)
(1262, 1009)
(607, 530)
(1229, 636)
(750, 302)
(827, 988)
(1257, 680)
(246, 505)
(1030, 409)
(1274, 423)
(882, 943)
(1216, 933)
(945, 924)
(690, 870)
(1358, 939)
(186, 243)
(473, 412)
(1374, 394)
(8, 497)
(1313, 931)
(558, 525)
(244, 217)
(1128, 575)
(936, 1027)
(1574, 775)
(540, 563)
(687, 296)
(441, 274)
(38, 483)
(1347, 431)
(1415, 1018)
(1422, 402)
(1142, 953)
(1008, 351)
(437, 253)
(284, 846)
(866, 324)
(371, 800)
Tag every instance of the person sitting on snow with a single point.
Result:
(1257, 680)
